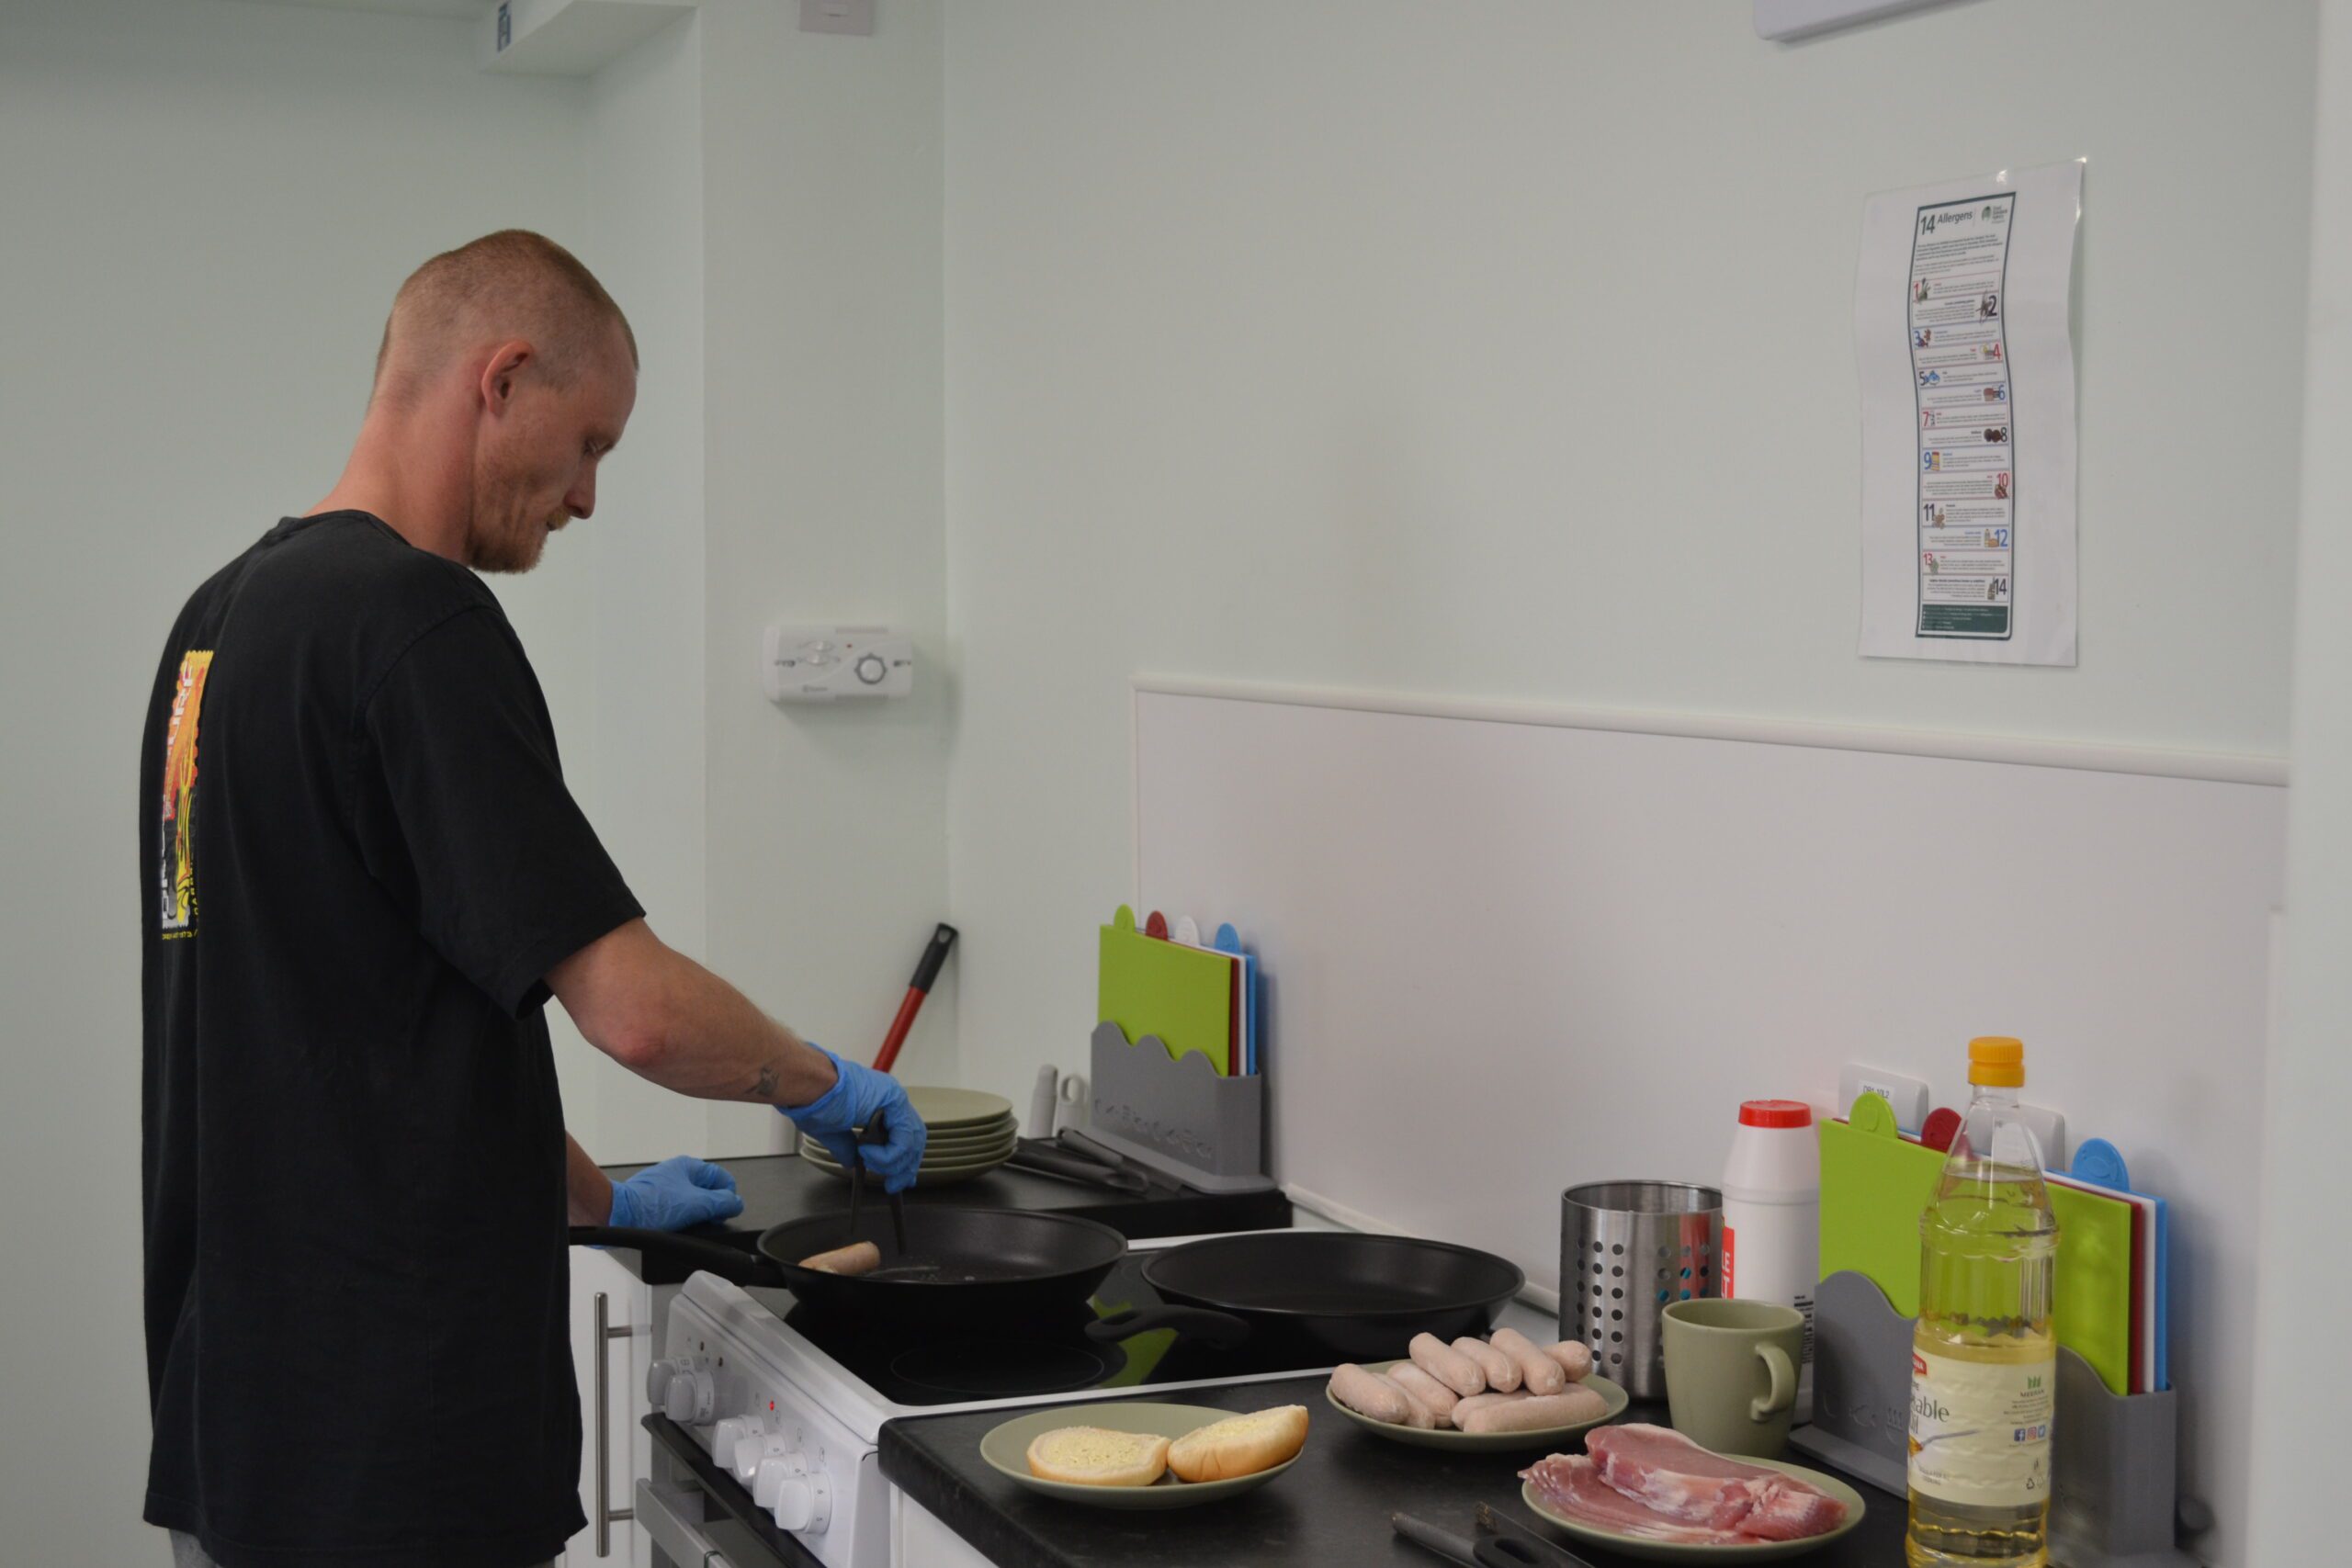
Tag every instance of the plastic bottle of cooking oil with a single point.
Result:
(1983, 1362)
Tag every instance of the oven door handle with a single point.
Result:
(663, 1512)
(607, 1515)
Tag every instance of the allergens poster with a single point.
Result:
(1964, 347)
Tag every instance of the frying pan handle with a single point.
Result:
(1220, 1329)
(729, 1263)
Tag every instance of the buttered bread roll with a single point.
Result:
(1096, 1456)
(1239, 1445)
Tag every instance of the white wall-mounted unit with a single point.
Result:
(822, 664)
(570, 38)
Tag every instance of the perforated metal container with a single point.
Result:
(1626, 1249)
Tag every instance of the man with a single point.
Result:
(361, 877)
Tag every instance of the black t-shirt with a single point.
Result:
(357, 860)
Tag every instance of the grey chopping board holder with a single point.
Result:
(2113, 1460)
(1178, 1114)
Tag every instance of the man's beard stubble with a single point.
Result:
(502, 537)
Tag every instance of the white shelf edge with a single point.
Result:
(2213, 767)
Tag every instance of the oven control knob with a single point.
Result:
(688, 1398)
(657, 1380)
(777, 1466)
(804, 1505)
(740, 1444)
(755, 1451)
(730, 1437)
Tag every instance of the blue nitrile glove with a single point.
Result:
(858, 1096)
(680, 1192)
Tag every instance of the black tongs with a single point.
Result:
(875, 1132)
(1501, 1543)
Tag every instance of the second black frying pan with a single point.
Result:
(960, 1264)
(1336, 1293)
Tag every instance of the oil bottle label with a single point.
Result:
(1979, 1430)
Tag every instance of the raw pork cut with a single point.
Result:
(1791, 1511)
(1688, 1485)
(1571, 1485)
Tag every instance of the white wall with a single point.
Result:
(207, 209)
(2297, 1511)
(821, 157)
(645, 671)
(1393, 345)
(1634, 932)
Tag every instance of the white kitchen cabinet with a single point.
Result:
(919, 1539)
(624, 1349)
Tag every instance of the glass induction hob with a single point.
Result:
(1048, 1355)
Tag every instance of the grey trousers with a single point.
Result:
(185, 1553)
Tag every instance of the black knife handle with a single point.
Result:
(932, 957)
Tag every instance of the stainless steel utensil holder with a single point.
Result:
(2113, 1460)
(1626, 1249)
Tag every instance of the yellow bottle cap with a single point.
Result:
(1996, 1060)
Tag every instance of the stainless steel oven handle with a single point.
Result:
(664, 1512)
(607, 1515)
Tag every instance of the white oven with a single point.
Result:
(769, 1451)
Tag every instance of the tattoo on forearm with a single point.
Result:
(764, 1087)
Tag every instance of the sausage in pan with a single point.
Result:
(857, 1257)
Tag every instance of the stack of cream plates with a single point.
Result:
(971, 1134)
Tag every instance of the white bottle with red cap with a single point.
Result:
(1772, 1211)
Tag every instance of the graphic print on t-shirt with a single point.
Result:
(178, 872)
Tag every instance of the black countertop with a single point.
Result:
(1329, 1510)
(777, 1188)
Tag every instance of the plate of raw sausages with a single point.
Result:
(1493, 1395)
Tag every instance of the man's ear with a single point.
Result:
(499, 372)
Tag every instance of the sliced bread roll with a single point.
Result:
(1239, 1445)
(1096, 1456)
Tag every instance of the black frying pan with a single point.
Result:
(1334, 1294)
(960, 1264)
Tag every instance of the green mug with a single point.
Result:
(1731, 1373)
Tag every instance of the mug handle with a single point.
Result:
(1784, 1385)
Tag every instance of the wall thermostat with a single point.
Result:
(824, 664)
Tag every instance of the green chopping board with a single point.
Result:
(1184, 995)
(1875, 1183)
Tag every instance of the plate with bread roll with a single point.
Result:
(1495, 1394)
(1140, 1454)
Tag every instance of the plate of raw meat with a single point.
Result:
(1649, 1492)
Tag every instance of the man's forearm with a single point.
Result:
(589, 1190)
(716, 1044)
(668, 1018)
